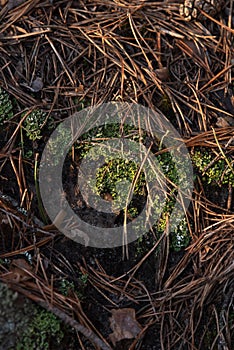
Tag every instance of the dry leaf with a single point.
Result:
(79, 89)
(224, 122)
(124, 325)
(19, 271)
(194, 51)
(162, 73)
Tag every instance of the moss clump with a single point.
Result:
(180, 238)
(24, 325)
(214, 171)
(117, 171)
(43, 329)
(115, 176)
(107, 131)
(55, 153)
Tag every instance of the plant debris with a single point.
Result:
(124, 324)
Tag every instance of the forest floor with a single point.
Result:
(166, 289)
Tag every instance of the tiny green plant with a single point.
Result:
(34, 123)
(81, 103)
(66, 287)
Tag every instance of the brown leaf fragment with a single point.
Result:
(224, 122)
(124, 325)
(20, 270)
(193, 50)
(162, 73)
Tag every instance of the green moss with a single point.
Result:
(116, 175)
(213, 171)
(109, 130)
(54, 152)
(180, 238)
(116, 172)
(44, 328)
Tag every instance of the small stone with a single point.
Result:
(37, 85)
